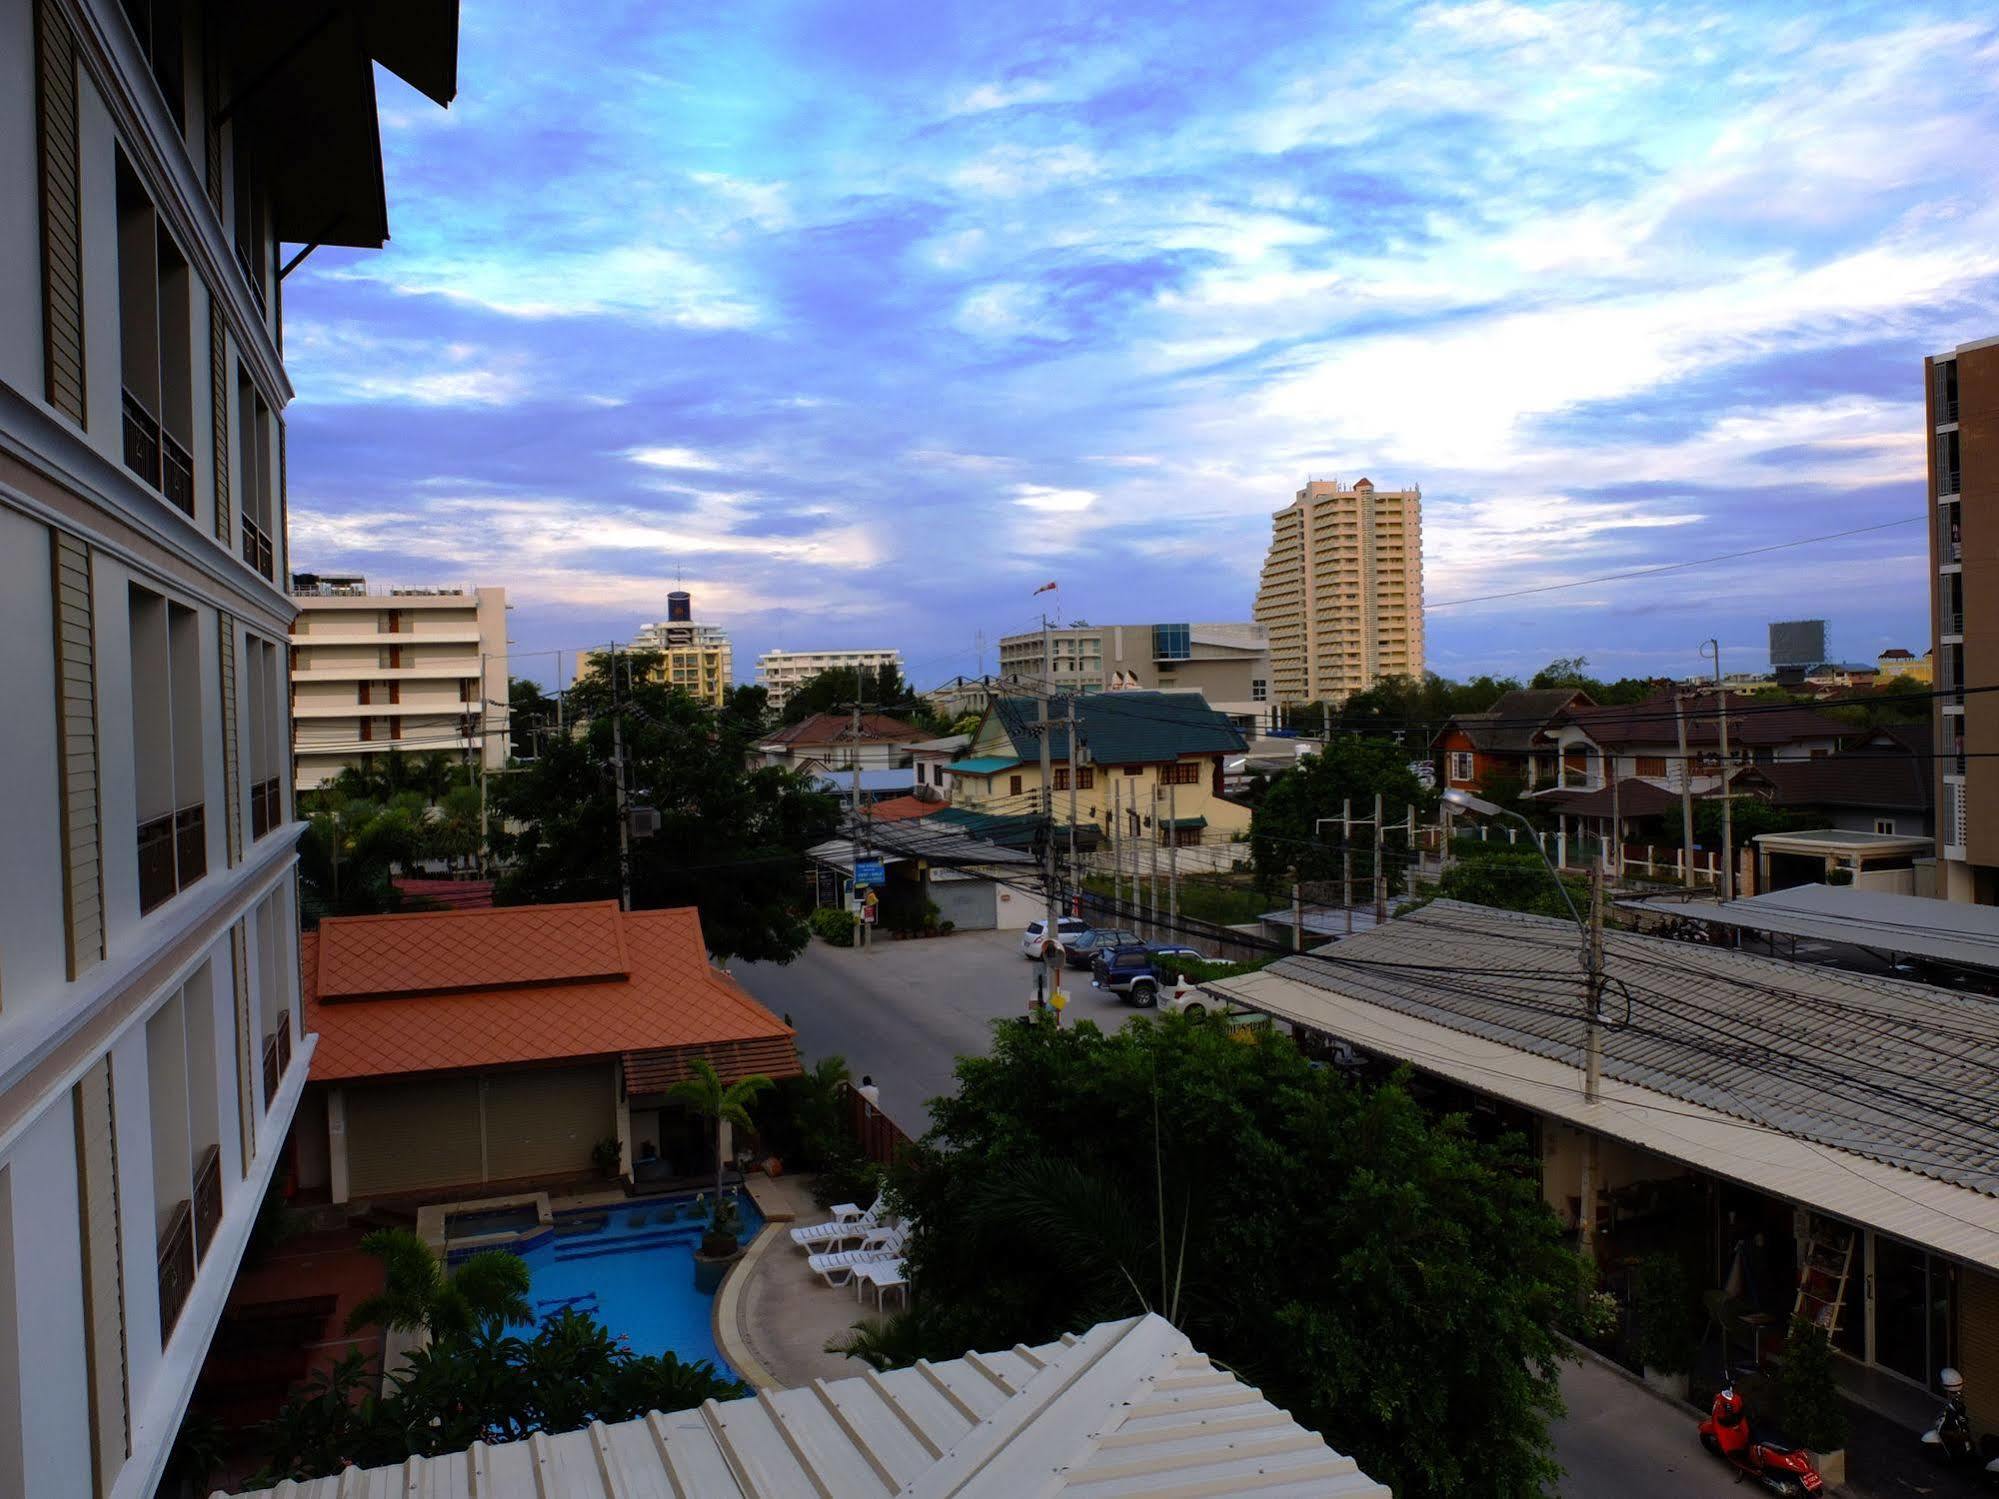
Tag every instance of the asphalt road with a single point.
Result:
(1621, 1442)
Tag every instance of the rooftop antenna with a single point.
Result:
(979, 644)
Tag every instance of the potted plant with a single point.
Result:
(1662, 1301)
(1809, 1407)
(607, 1155)
(723, 1103)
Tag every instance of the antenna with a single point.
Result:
(979, 644)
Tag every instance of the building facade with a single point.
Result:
(1900, 665)
(153, 158)
(1962, 390)
(698, 657)
(1227, 663)
(414, 670)
(781, 673)
(1342, 590)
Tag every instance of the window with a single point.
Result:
(1652, 765)
(275, 960)
(254, 249)
(1013, 785)
(256, 486)
(1259, 690)
(269, 714)
(1180, 773)
(187, 1176)
(1461, 765)
(389, 658)
(1132, 770)
(1086, 777)
(1884, 825)
(1172, 642)
(166, 747)
(162, 34)
(1061, 778)
(919, 772)
(156, 360)
(468, 689)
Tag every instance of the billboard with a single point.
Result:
(1797, 642)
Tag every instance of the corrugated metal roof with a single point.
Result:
(982, 765)
(1872, 1098)
(1128, 1408)
(1948, 931)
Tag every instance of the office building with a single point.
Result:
(1962, 389)
(781, 673)
(1342, 590)
(153, 158)
(698, 657)
(1228, 664)
(377, 669)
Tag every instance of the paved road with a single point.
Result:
(904, 1012)
(1617, 1440)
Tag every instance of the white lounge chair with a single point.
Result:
(884, 1276)
(847, 1212)
(838, 1233)
(837, 1269)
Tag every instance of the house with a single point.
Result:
(931, 758)
(1510, 740)
(1884, 784)
(1838, 1154)
(459, 1049)
(1151, 767)
(1641, 740)
(1902, 665)
(832, 741)
(1125, 1407)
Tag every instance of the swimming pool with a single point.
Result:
(631, 1267)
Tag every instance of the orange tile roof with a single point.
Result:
(662, 995)
(902, 808)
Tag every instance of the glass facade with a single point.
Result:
(1172, 642)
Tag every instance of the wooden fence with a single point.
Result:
(879, 1136)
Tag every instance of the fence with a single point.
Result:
(879, 1136)
(1578, 851)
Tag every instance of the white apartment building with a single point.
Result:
(154, 156)
(409, 669)
(780, 673)
(1228, 663)
(1342, 590)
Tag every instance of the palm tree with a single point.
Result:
(419, 1294)
(725, 1103)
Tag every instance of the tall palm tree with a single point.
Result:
(724, 1103)
(419, 1294)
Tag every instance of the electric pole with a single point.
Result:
(1152, 865)
(1592, 1058)
(1117, 853)
(854, 826)
(1686, 793)
(624, 807)
(1075, 775)
(1051, 946)
(1380, 875)
(1346, 859)
(1727, 804)
(1173, 851)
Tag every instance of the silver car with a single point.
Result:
(1035, 939)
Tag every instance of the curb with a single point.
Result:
(1586, 1354)
(726, 1315)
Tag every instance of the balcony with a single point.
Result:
(267, 809)
(273, 1068)
(1950, 622)
(207, 1200)
(1946, 410)
(1947, 481)
(176, 1264)
(258, 552)
(173, 854)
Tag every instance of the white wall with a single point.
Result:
(44, 1401)
(20, 187)
(32, 967)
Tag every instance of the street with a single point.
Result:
(1619, 1440)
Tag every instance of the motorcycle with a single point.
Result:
(1949, 1438)
(1777, 1465)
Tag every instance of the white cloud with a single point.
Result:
(1051, 501)
(672, 457)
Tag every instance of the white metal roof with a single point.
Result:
(1873, 1099)
(1948, 931)
(1128, 1408)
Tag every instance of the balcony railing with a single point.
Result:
(1950, 622)
(1950, 547)
(257, 549)
(273, 1069)
(190, 844)
(176, 1250)
(284, 1042)
(1946, 409)
(173, 854)
(1947, 481)
(207, 1200)
(142, 440)
(266, 807)
(176, 474)
(250, 276)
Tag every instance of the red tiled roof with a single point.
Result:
(902, 808)
(838, 728)
(646, 987)
(1633, 798)
(1751, 721)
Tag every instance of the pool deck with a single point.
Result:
(773, 1316)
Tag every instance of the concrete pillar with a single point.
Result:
(621, 1117)
(336, 1143)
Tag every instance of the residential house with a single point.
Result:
(409, 669)
(154, 157)
(1640, 741)
(931, 759)
(1128, 1406)
(462, 1049)
(831, 741)
(1878, 1222)
(1510, 742)
(1902, 665)
(1885, 784)
(1152, 765)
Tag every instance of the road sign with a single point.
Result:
(868, 913)
(869, 872)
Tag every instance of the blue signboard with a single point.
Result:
(869, 872)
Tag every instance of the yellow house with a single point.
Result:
(1150, 762)
(1904, 666)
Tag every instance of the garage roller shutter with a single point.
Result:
(968, 903)
(545, 1121)
(415, 1134)
(1978, 1347)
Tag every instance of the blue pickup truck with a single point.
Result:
(1137, 970)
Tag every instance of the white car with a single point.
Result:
(1198, 1002)
(1034, 940)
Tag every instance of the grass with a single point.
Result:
(1222, 902)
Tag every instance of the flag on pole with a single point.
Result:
(1043, 588)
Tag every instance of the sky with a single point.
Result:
(862, 321)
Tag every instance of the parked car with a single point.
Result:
(1081, 952)
(1034, 939)
(1198, 1002)
(1138, 971)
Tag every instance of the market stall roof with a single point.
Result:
(1876, 1100)
(1943, 930)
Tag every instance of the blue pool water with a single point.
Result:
(633, 1272)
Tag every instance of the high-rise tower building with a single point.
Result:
(1342, 590)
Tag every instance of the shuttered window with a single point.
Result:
(545, 1121)
(246, 1094)
(166, 747)
(62, 213)
(218, 395)
(401, 1136)
(232, 778)
(94, 1107)
(76, 733)
(1978, 1347)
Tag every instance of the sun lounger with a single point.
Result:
(837, 1234)
(847, 1212)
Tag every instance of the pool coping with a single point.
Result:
(431, 1221)
(726, 1313)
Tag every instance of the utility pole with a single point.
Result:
(1075, 775)
(1173, 852)
(624, 807)
(1727, 793)
(1117, 855)
(854, 812)
(1686, 793)
(1592, 1060)
(1297, 912)
(1152, 865)
(1051, 949)
(1380, 875)
(1616, 818)
(1346, 859)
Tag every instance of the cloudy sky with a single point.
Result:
(866, 319)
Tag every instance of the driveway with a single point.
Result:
(903, 1012)
(1620, 1440)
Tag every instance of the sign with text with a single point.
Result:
(869, 872)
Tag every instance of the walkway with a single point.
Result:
(776, 1310)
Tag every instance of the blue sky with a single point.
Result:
(867, 319)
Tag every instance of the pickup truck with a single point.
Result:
(1137, 971)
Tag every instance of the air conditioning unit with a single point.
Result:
(645, 821)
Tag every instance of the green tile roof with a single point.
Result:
(1123, 728)
(983, 765)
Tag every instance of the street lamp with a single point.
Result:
(1464, 801)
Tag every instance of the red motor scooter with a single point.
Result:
(1778, 1466)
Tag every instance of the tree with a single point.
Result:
(1284, 834)
(1323, 1239)
(731, 841)
(749, 708)
(724, 1103)
(839, 688)
(1507, 877)
(531, 717)
(419, 1294)
(1573, 671)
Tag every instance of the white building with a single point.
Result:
(781, 673)
(409, 669)
(153, 158)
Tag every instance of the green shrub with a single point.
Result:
(834, 924)
(846, 1175)
(1662, 1307)
(1807, 1396)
